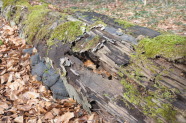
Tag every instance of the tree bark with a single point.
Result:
(100, 59)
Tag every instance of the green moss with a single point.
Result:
(123, 23)
(9, 14)
(34, 20)
(169, 46)
(20, 3)
(44, 31)
(97, 23)
(23, 3)
(17, 15)
(1, 42)
(131, 93)
(120, 74)
(67, 32)
(163, 92)
(8, 2)
(17, 9)
(106, 95)
(167, 111)
(46, 71)
(156, 103)
(92, 43)
(150, 103)
(63, 16)
(134, 72)
(86, 45)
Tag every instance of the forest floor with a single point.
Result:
(169, 18)
(22, 97)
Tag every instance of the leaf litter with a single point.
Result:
(22, 97)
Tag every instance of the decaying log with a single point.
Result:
(100, 66)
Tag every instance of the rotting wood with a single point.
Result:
(96, 73)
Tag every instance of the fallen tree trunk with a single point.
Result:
(105, 63)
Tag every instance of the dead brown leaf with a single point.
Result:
(49, 115)
(19, 119)
(65, 117)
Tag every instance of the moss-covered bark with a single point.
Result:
(144, 76)
(124, 23)
(144, 85)
(67, 32)
(169, 46)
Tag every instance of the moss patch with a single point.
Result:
(44, 31)
(17, 15)
(96, 23)
(19, 6)
(171, 47)
(99, 23)
(131, 93)
(155, 103)
(15, 12)
(15, 2)
(86, 45)
(9, 14)
(66, 32)
(23, 3)
(149, 101)
(34, 20)
(123, 23)
(8, 2)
